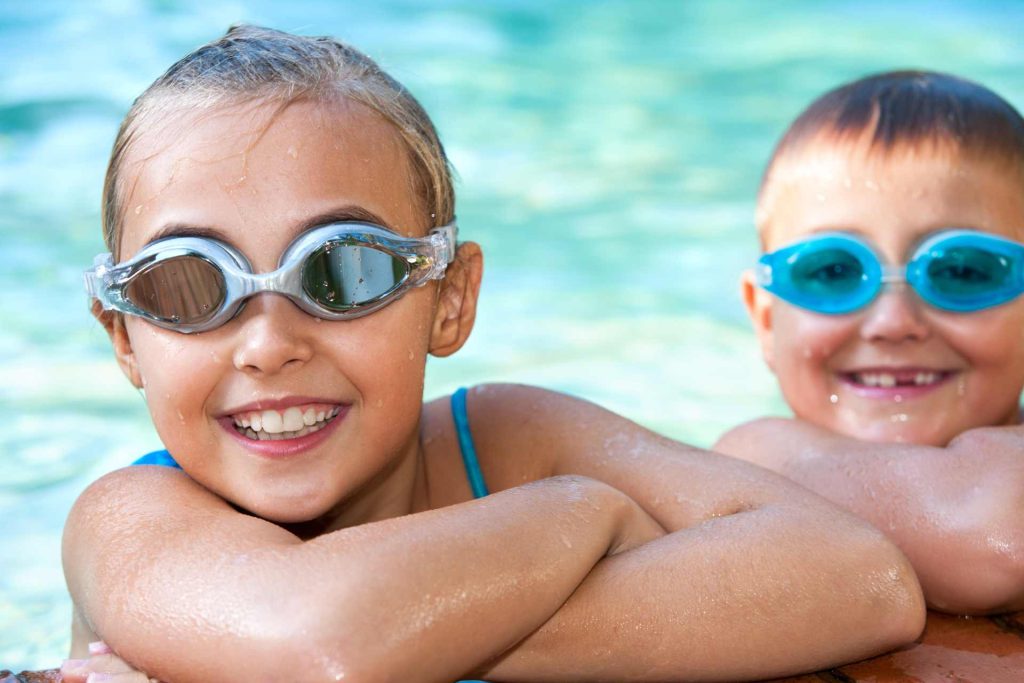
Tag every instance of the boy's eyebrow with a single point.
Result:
(339, 215)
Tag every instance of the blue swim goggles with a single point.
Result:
(836, 273)
(334, 272)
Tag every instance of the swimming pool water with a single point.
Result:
(609, 155)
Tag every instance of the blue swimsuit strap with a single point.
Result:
(469, 460)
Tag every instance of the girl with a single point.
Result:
(905, 377)
(280, 218)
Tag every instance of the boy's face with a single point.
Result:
(952, 371)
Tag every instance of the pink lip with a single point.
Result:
(281, 448)
(903, 391)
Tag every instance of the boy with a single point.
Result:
(905, 380)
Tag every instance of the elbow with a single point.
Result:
(896, 595)
(977, 575)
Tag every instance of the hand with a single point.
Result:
(102, 666)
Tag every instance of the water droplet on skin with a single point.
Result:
(181, 418)
(899, 417)
(833, 399)
(807, 352)
(820, 198)
(138, 209)
(898, 398)
(871, 185)
(379, 403)
(412, 356)
(566, 542)
(292, 152)
(961, 386)
(847, 183)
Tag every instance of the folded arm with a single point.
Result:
(957, 512)
(749, 555)
(188, 589)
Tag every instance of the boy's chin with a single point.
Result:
(896, 428)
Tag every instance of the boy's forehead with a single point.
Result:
(841, 184)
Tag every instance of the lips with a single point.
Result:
(888, 382)
(283, 427)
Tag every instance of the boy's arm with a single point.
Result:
(188, 589)
(957, 512)
(750, 556)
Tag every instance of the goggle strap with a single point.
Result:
(442, 240)
(96, 285)
(763, 274)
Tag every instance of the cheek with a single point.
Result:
(806, 342)
(991, 341)
(163, 359)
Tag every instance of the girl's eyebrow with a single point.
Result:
(339, 215)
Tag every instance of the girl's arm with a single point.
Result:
(188, 589)
(750, 557)
(957, 512)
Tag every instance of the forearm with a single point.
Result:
(421, 597)
(711, 602)
(954, 511)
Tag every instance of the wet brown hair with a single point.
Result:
(250, 63)
(908, 109)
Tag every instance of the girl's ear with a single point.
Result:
(759, 308)
(456, 305)
(113, 323)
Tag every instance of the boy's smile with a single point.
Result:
(899, 369)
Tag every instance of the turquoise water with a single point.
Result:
(609, 154)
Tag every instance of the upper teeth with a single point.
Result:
(887, 380)
(290, 420)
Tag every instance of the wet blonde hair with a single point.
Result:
(251, 63)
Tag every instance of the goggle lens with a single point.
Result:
(967, 273)
(826, 273)
(341, 276)
(179, 290)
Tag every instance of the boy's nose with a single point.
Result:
(895, 316)
(273, 336)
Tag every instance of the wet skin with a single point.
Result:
(257, 186)
(955, 370)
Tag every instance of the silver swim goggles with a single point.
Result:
(334, 272)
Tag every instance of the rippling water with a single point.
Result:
(609, 154)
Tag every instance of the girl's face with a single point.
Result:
(899, 369)
(256, 176)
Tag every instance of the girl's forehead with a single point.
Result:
(255, 166)
(892, 198)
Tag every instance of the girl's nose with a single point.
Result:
(273, 336)
(895, 316)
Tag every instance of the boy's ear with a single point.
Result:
(113, 323)
(759, 308)
(456, 309)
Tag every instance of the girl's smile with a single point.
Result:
(286, 414)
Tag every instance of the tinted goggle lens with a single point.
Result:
(967, 274)
(342, 276)
(179, 290)
(832, 272)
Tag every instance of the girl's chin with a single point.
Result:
(897, 428)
